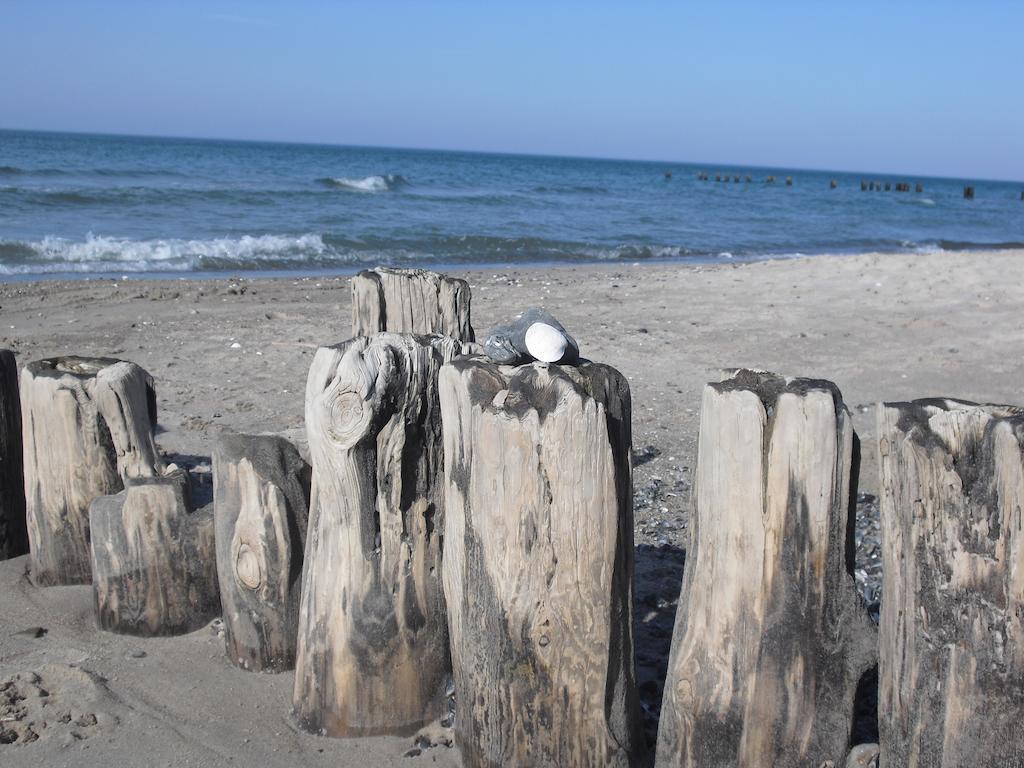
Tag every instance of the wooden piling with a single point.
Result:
(538, 564)
(261, 499)
(154, 566)
(951, 667)
(968, 193)
(373, 636)
(410, 301)
(87, 426)
(771, 637)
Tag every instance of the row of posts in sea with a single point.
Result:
(865, 186)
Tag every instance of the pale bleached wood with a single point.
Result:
(261, 502)
(154, 568)
(771, 637)
(373, 640)
(538, 564)
(410, 301)
(13, 530)
(951, 668)
(87, 426)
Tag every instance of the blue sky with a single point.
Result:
(914, 87)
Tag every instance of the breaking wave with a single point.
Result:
(367, 183)
(112, 254)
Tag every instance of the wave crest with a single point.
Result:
(100, 254)
(386, 183)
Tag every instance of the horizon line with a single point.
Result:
(499, 153)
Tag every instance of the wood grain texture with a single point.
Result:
(13, 527)
(87, 426)
(770, 637)
(538, 563)
(261, 504)
(951, 667)
(410, 301)
(154, 569)
(373, 639)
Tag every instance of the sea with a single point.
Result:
(82, 205)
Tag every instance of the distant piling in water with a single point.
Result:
(832, 184)
(789, 181)
(968, 193)
(735, 179)
(668, 174)
(749, 179)
(919, 188)
(770, 180)
(863, 186)
(888, 186)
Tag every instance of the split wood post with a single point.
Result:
(261, 502)
(538, 563)
(13, 530)
(373, 637)
(410, 301)
(771, 637)
(154, 567)
(87, 426)
(951, 666)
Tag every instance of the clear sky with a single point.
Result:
(916, 87)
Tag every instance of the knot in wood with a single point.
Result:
(347, 416)
(247, 567)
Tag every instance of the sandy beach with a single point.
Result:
(233, 353)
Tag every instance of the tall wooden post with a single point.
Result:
(538, 563)
(261, 503)
(373, 637)
(771, 637)
(87, 426)
(951, 668)
(410, 301)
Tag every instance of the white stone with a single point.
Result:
(545, 343)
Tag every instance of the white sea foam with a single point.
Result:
(103, 254)
(368, 183)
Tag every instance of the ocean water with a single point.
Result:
(80, 205)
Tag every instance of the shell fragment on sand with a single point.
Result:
(533, 335)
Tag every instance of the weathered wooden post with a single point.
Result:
(832, 184)
(919, 188)
(261, 503)
(154, 568)
(538, 563)
(373, 636)
(789, 181)
(13, 530)
(863, 186)
(410, 301)
(951, 666)
(968, 193)
(771, 637)
(87, 426)
(888, 186)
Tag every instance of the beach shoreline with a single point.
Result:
(233, 353)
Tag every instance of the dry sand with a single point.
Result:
(233, 353)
